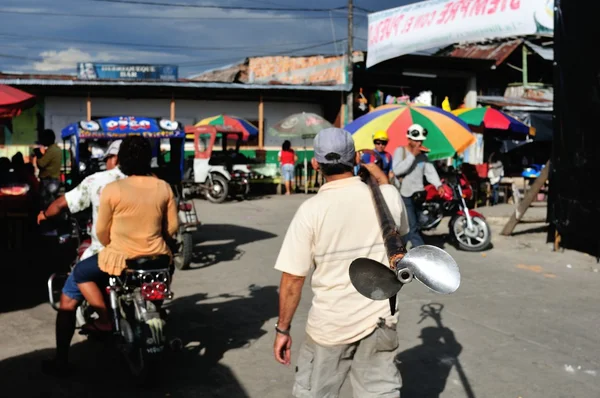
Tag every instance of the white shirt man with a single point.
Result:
(346, 332)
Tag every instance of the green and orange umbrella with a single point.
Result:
(447, 136)
(491, 118)
(236, 123)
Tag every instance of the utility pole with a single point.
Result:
(350, 74)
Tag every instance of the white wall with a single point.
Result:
(62, 111)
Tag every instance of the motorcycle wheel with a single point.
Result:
(139, 362)
(183, 259)
(219, 191)
(475, 240)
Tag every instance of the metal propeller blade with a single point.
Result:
(430, 265)
(373, 279)
(433, 267)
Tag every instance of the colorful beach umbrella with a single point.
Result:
(491, 118)
(236, 123)
(447, 136)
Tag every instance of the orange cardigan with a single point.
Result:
(134, 217)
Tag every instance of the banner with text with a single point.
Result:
(438, 23)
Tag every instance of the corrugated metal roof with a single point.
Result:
(546, 53)
(181, 84)
(498, 52)
(510, 103)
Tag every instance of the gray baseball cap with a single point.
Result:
(334, 145)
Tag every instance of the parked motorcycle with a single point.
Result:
(468, 228)
(134, 299)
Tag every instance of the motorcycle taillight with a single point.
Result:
(154, 291)
(185, 206)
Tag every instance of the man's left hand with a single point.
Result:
(283, 349)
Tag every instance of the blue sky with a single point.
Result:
(51, 36)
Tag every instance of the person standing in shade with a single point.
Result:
(495, 174)
(48, 164)
(287, 158)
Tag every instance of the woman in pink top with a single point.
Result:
(287, 159)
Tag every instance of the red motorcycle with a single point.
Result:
(468, 228)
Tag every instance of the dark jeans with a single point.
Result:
(495, 194)
(413, 236)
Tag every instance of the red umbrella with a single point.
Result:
(13, 101)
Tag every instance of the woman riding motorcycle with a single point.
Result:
(136, 218)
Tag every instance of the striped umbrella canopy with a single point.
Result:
(447, 136)
(491, 118)
(236, 123)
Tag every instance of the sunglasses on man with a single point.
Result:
(379, 142)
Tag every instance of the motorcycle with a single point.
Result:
(134, 299)
(468, 228)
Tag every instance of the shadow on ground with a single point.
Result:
(425, 368)
(535, 230)
(207, 329)
(215, 243)
(26, 272)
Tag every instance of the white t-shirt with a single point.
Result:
(87, 194)
(328, 232)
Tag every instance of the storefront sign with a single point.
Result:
(92, 71)
(438, 23)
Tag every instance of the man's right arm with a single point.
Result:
(403, 161)
(75, 200)
(53, 210)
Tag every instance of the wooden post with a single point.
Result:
(527, 200)
(89, 108)
(172, 108)
(261, 123)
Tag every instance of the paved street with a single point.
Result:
(524, 322)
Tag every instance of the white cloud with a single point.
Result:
(53, 61)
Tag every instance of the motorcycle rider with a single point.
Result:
(86, 194)
(136, 218)
(410, 165)
(380, 140)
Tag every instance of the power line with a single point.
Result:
(94, 16)
(19, 57)
(214, 7)
(162, 46)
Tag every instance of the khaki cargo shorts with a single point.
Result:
(321, 371)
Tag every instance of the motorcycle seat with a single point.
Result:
(149, 263)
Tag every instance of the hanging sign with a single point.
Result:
(93, 71)
(439, 23)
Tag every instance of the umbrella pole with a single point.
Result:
(305, 170)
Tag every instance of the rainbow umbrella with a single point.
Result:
(447, 133)
(491, 118)
(234, 122)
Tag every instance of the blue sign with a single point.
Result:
(122, 126)
(93, 71)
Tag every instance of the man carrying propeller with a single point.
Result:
(346, 332)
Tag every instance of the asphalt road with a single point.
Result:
(524, 322)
